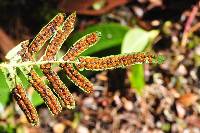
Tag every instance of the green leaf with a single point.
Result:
(4, 86)
(36, 99)
(112, 35)
(137, 77)
(136, 40)
(23, 77)
(160, 59)
(38, 70)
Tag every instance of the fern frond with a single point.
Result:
(80, 46)
(38, 84)
(116, 61)
(45, 33)
(51, 51)
(25, 104)
(54, 34)
(77, 78)
(45, 92)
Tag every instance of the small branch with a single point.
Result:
(194, 28)
(188, 24)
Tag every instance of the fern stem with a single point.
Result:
(158, 60)
(30, 63)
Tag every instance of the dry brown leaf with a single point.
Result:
(6, 43)
(84, 6)
(188, 99)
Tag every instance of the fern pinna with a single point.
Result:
(23, 58)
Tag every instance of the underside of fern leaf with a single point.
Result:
(23, 56)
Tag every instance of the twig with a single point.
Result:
(194, 28)
(188, 25)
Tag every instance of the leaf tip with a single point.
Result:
(74, 13)
(98, 34)
(61, 14)
(72, 106)
(159, 59)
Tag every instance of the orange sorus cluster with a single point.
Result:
(60, 37)
(50, 53)
(68, 25)
(46, 33)
(39, 85)
(45, 92)
(25, 104)
(59, 87)
(53, 46)
(81, 45)
(77, 78)
(25, 55)
(111, 62)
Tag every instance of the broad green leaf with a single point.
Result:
(112, 35)
(137, 77)
(23, 77)
(38, 70)
(36, 99)
(136, 40)
(4, 86)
